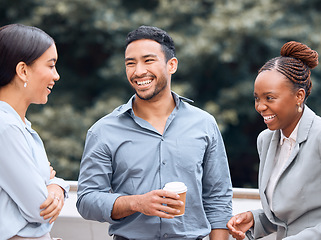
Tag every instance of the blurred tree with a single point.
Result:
(220, 46)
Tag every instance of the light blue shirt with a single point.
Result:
(125, 155)
(24, 175)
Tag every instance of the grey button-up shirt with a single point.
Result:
(125, 155)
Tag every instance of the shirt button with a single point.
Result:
(164, 163)
(165, 235)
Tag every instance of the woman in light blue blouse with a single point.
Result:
(31, 197)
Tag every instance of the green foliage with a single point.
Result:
(63, 131)
(220, 46)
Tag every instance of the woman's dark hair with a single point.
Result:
(156, 34)
(19, 43)
(295, 63)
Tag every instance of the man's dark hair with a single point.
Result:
(156, 34)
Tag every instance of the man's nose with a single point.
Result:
(140, 69)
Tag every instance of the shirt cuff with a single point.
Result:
(61, 183)
(220, 224)
(112, 198)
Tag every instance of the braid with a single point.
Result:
(295, 63)
(297, 72)
(302, 52)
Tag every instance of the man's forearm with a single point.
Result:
(123, 207)
(219, 234)
(153, 203)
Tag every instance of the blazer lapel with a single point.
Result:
(269, 163)
(266, 171)
(303, 131)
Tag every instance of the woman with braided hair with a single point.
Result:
(289, 151)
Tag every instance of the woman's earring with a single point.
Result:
(25, 84)
(299, 108)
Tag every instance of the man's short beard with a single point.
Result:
(155, 93)
(158, 89)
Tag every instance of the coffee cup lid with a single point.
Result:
(177, 187)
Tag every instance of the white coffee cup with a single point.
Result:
(181, 189)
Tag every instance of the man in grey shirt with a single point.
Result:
(157, 137)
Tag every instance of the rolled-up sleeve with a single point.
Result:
(95, 197)
(217, 187)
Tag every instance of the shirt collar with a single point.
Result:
(129, 105)
(4, 106)
(292, 136)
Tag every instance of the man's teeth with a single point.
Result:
(269, 117)
(144, 82)
(50, 88)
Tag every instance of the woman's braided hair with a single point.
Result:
(295, 63)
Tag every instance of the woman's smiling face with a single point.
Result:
(42, 75)
(276, 101)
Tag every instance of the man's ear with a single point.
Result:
(21, 71)
(172, 65)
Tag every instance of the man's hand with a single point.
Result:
(150, 204)
(239, 224)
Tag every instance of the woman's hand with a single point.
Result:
(53, 204)
(239, 224)
(52, 172)
(55, 200)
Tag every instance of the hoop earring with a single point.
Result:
(299, 108)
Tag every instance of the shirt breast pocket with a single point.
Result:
(190, 154)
